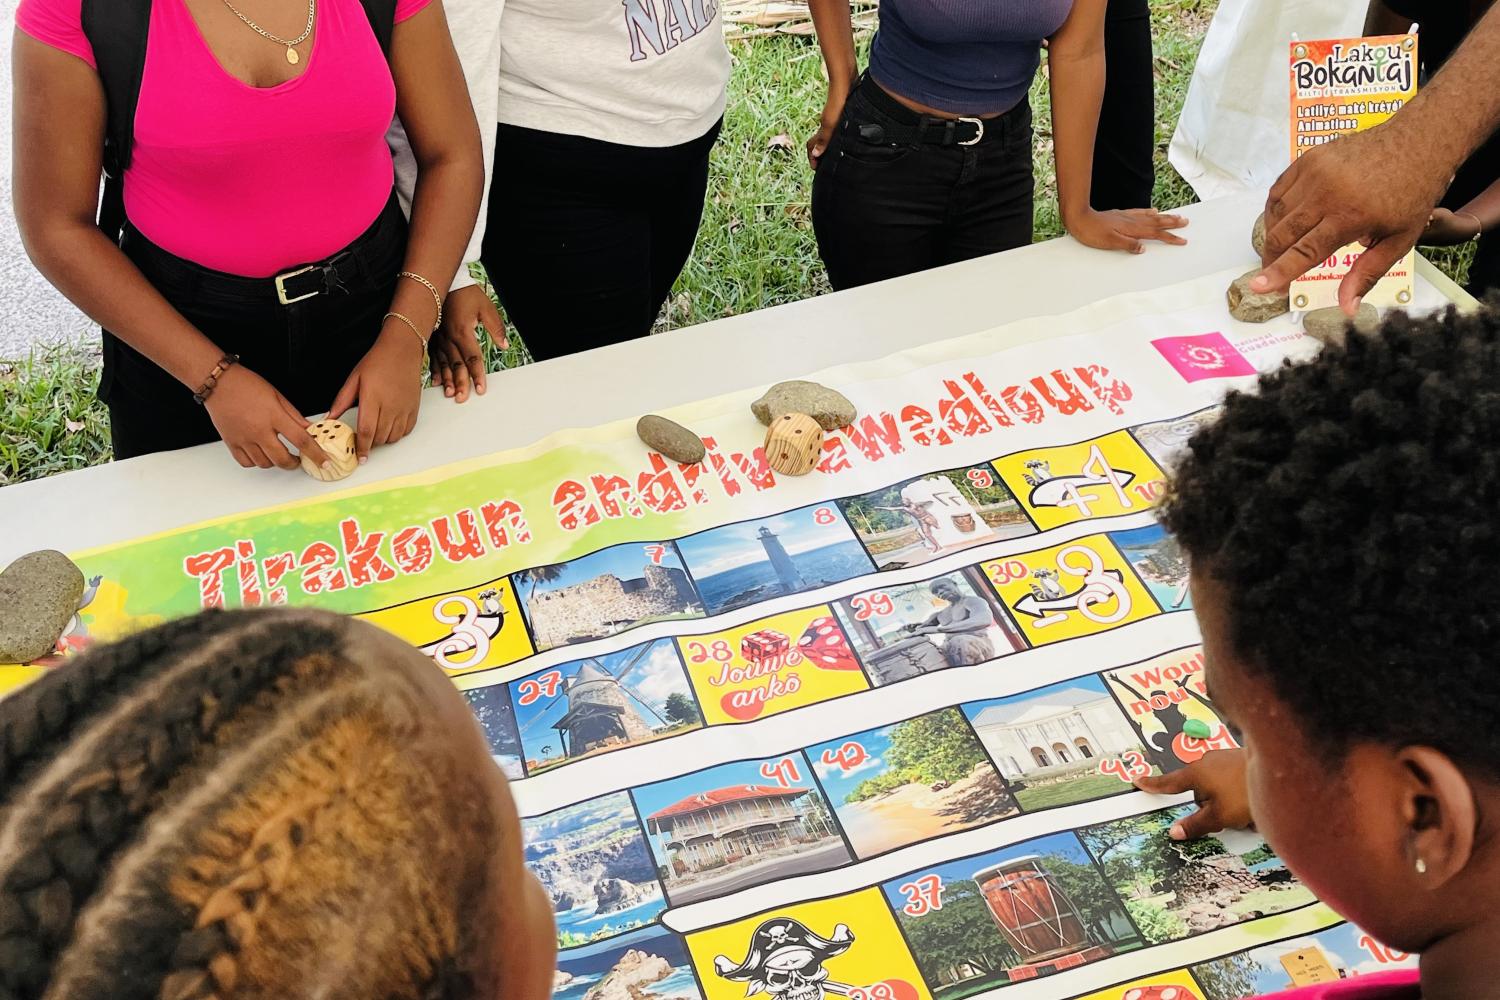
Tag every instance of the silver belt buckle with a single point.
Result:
(979, 124)
(281, 280)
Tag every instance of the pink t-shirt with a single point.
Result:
(1402, 985)
(242, 179)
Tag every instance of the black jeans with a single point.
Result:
(306, 349)
(1481, 169)
(585, 238)
(1474, 177)
(1124, 173)
(881, 211)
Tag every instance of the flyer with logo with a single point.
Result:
(1339, 87)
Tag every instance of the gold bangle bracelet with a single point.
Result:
(410, 324)
(1478, 227)
(436, 297)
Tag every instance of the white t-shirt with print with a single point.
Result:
(475, 27)
(633, 72)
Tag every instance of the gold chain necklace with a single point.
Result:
(290, 43)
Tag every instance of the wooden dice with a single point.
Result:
(794, 444)
(336, 438)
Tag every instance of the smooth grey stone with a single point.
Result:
(39, 595)
(671, 439)
(1331, 326)
(831, 409)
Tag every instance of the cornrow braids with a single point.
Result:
(1348, 509)
(37, 714)
(244, 810)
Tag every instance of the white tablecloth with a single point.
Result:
(125, 500)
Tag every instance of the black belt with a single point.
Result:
(929, 131)
(312, 280)
(346, 272)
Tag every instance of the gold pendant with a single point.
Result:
(292, 56)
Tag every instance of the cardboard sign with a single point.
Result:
(1339, 87)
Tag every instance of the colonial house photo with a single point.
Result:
(711, 837)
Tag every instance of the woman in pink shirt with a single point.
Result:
(264, 270)
(1341, 528)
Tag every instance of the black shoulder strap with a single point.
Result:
(117, 31)
(382, 15)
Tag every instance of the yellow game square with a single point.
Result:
(772, 666)
(1176, 985)
(14, 677)
(848, 946)
(476, 629)
(100, 618)
(1071, 590)
(1106, 477)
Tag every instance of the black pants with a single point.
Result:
(881, 211)
(1444, 29)
(1124, 173)
(306, 349)
(585, 238)
(1474, 177)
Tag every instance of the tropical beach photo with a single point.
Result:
(910, 782)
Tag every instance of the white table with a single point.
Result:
(124, 500)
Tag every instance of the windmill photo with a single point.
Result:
(603, 706)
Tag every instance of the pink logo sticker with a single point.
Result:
(1207, 355)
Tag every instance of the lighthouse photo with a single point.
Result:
(743, 564)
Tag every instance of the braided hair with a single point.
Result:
(233, 805)
(1349, 511)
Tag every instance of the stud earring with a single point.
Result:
(1421, 866)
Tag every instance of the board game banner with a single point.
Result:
(869, 733)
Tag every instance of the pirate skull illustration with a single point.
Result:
(786, 959)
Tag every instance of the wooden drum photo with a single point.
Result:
(1037, 918)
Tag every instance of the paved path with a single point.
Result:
(32, 313)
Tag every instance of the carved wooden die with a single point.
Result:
(336, 438)
(794, 444)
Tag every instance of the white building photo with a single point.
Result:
(1062, 731)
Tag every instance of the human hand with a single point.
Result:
(1217, 781)
(1125, 229)
(457, 358)
(387, 386)
(252, 418)
(833, 113)
(1446, 229)
(1374, 188)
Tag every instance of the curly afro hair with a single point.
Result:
(1349, 510)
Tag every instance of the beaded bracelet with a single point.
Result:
(436, 298)
(211, 383)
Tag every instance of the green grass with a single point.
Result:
(1079, 789)
(50, 421)
(1269, 901)
(755, 249)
